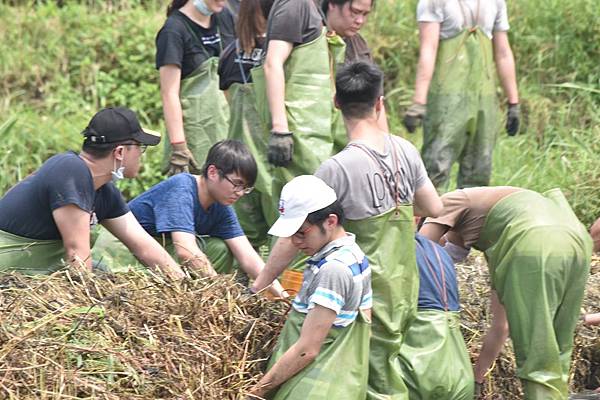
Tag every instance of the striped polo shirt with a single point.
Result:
(337, 277)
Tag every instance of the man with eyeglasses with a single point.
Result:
(46, 220)
(191, 215)
(323, 349)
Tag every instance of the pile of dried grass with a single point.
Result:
(132, 336)
(501, 382)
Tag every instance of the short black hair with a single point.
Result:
(99, 150)
(232, 156)
(358, 85)
(325, 4)
(319, 216)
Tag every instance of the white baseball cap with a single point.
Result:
(299, 197)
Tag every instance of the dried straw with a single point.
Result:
(132, 336)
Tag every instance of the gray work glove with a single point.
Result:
(414, 116)
(513, 119)
(281, 147)
(182, 160)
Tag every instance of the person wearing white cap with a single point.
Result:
(46, 219)
(379, 178)
(323, 348)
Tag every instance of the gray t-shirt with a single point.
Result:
(449, 13)
(337, 277)
(359, 178)
(295, 21)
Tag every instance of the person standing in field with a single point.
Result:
(539, 255)
(46, 219)
(187, 54)
(462, 45)
(323, 349)
(379, 179)
(295, 89)
(255, 210)
(346, 18)
(191, 215)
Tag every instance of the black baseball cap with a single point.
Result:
(118, 124)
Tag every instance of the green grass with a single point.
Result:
(61, 61)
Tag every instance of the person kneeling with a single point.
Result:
(191, 215)
(323, 349)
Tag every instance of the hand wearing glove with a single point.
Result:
(281, 147)
(513, 119)
(414, 116)
(182, 160)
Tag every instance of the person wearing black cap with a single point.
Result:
(46, 219)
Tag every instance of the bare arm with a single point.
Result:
(74, 226)
(128, 230)
(427, 202)
(278, 52)
(429, 36)
(170, 81)
(189, 253)
(494, 339)
(433, 231)
(250, 262)
(281, 256)
(315, 328)
(595, 232)
(505, 63)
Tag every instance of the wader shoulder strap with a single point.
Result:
(191, 31)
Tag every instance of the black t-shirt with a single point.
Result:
(176, 44)
(295, 21)
(234, 7)
(26, 209)
(235, 64)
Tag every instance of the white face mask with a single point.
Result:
(203, 8)
(117, 174)
(457, 253)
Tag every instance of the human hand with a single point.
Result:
(182, 160)
(281, 147)
(414, 116)
(513, 119)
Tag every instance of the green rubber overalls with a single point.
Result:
(111, 254)
(435, 361)
(338, 372)
(30, 256)
(388, 242)
(204, 107)
(254, 210)
(309, 90)
(462, 119)
(539, 255)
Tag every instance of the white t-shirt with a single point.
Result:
(449, 13)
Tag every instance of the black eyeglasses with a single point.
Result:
(143, 147)
(238, 187)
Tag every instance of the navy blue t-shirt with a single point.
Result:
(26, 209)
(173, 205)
(430, 276)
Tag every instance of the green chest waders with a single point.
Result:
(111, 254)
(309, 88)
(339, 371)
(246, 125)
(205, 110)
(462, 119)
(388, 241)
(538, 254)
(30, 256)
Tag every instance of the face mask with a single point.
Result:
(117, 175)
(457, 253)
(202, 8)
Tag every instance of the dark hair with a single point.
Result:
(317, 217)
(252, 21)
(325, 4)
(358, 85)
(232, 156)
(99, 150)
(175, 5)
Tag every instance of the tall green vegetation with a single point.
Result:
(61, 61)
